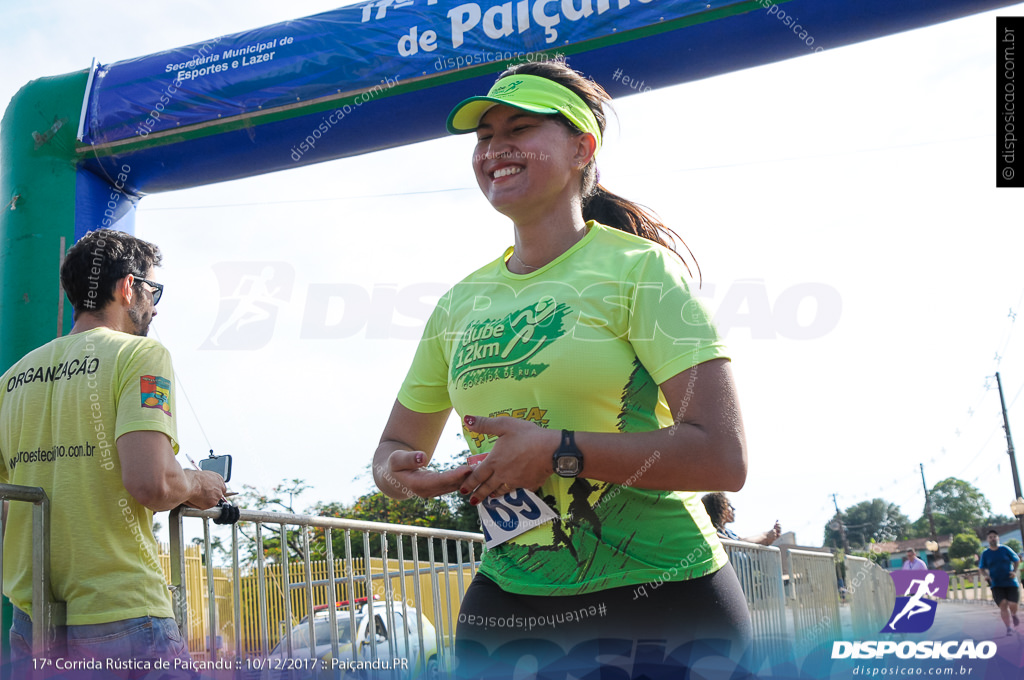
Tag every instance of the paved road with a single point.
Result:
(956, 620)
(953, 621)
(977, 621)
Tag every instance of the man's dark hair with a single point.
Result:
(98, 261)
(992, 531)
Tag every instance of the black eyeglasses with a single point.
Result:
(158, 288)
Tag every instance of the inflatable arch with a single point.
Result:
(78, 151)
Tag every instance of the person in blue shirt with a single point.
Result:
(998, 564)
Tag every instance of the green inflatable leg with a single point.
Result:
(37, 208)
(37, 196)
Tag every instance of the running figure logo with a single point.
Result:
(914, 611)
(251, 295)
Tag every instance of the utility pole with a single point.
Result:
(931, 520)
(928, 505)
(1009, 450)
(842, 529)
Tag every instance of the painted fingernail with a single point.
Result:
(470, 420)
(474, 501)
(419, 459)
(463, 491)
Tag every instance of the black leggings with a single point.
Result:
(657, 625)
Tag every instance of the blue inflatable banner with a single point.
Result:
(349, 50)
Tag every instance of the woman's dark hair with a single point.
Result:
(98, 261)
(716, 505)
(599, 204)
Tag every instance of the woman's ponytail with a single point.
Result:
(615, 211)
(599, 204)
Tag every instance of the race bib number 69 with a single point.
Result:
(514, 513)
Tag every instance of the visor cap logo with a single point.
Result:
(507, 89)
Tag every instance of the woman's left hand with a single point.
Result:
(520, 459)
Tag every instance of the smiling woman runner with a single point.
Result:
(567, 357)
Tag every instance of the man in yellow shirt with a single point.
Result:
(90, 418)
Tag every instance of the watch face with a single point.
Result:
(568, 466)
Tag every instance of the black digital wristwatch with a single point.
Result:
(568, 460)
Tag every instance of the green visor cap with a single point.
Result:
(529, 93)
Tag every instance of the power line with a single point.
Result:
(181, 390)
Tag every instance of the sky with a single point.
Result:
(859, 260)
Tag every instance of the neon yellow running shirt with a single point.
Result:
(580, 344)
(62, 408)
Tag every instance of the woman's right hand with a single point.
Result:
(405, 474)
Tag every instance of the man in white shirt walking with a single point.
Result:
(913, 562)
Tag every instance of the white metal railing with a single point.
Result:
(812, 588)
(969, 587)
(392, 574)
(46, 613)
(759, 569)
(871, 595)
(813, 599)
(813, 592)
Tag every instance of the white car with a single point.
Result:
(393, 652)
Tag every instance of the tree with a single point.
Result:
(996, 520)
(921, 528)
(961, 564)
(879, 558)
(868, 521)
(253, 498)
(436, 513)
(958, 507)
(965, 546)
(1014, 545)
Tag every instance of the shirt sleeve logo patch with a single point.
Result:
(156, 393)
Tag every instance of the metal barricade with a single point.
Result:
(813, 596)
(814, 599)
(969, 587)
(47, 614)
(759, 569)
(871, 595)
(387, 576)
(438, 585)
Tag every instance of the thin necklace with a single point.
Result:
(530, 266)
(521, 262)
